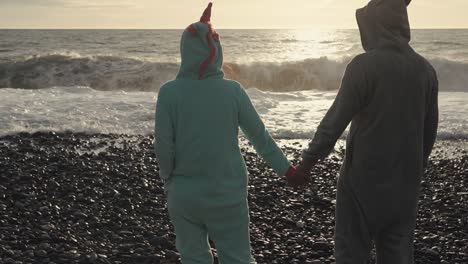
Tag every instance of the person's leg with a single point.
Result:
(353, 241)
(191, 238)
(395, 244)
(229, 229)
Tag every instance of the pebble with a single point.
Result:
(71, 207)
(93, 257)
(44, 246)
(300, 224)
(40, 253)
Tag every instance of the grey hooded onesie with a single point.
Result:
(390, 95)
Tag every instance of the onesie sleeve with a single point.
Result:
(255, 131)
(350, 99)
(164, 144)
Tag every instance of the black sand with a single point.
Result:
(61, 201)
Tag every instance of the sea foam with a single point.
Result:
(112, 73)
(293, 115)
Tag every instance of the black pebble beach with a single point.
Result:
(83, 198)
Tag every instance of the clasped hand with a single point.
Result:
(298, 176)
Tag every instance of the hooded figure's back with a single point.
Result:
(390, 94)
(198, 116)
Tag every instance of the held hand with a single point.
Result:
(297, 177)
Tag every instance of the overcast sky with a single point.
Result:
(303, 14)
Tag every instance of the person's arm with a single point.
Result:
(164, 144)
(351, 98)
(255, 131)
(431, 121)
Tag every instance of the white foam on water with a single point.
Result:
(77, 109)
(293, 115)
(296, 115)
(101, 145)
(113, 73)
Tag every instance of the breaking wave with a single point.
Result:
(129, 74)
(97, 72)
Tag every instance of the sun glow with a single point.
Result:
(271, 14)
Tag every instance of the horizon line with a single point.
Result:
(123, 28)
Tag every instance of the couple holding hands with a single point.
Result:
(388, 94)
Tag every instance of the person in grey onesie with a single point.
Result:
(389, 94)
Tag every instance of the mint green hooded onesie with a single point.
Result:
(198, 116)
(390, 95)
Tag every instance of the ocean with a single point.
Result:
(106, 81)
(91, 192)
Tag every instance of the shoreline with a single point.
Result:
(85, 198)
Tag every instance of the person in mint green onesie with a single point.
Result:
(198, 116)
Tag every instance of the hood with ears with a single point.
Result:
(201, 50)
(384, 23)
